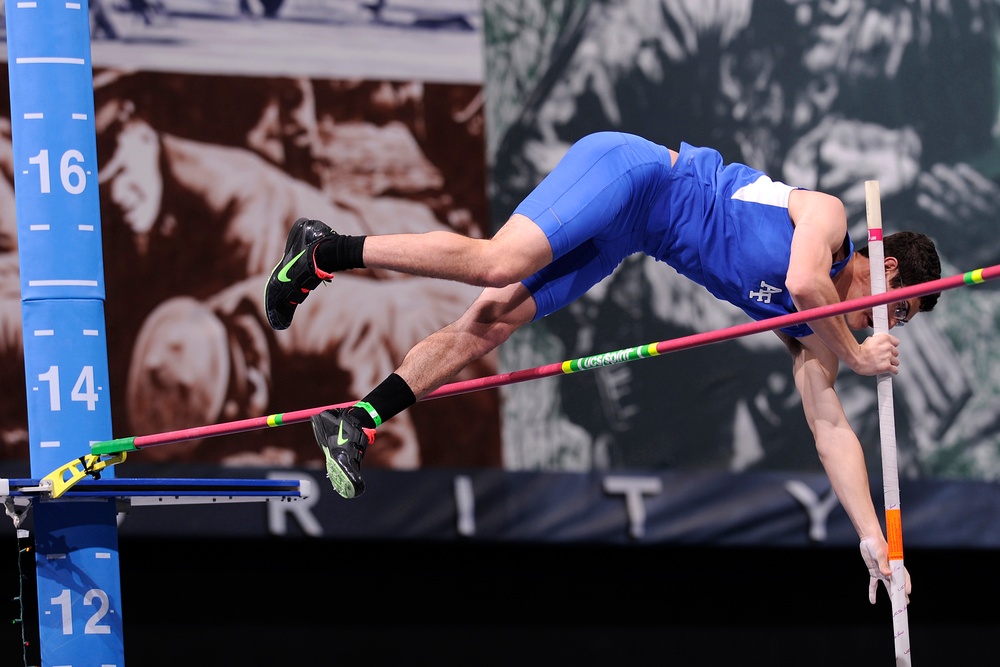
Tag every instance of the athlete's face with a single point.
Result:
(900, 312)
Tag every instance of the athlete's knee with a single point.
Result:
(498, 313)
(501, 271)
(516, 251)
(506, 264)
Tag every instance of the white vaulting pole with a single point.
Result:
(887, 429)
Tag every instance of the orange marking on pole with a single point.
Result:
(894, 534)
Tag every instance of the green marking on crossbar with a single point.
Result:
(114, 446)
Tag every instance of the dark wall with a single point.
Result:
(303, 602)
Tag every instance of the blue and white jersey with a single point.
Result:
(728, 229)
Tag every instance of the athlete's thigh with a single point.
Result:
(569, 277)
(585, 194)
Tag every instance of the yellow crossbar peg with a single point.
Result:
(63, 478)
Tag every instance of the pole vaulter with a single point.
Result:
(110, 452)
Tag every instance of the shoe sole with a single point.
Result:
(341, 483)
(277, 326)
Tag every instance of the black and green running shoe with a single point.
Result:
(344, 442)
(296, 274)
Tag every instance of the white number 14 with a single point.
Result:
(83, 390)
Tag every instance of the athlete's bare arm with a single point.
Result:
(814, 368)
(820, 228)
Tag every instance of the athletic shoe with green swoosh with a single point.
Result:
(295, 275)
(344, 442)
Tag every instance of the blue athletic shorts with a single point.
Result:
(594, 207)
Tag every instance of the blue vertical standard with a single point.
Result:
(62, 305)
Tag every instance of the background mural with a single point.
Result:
(203, 168)
(820, 95)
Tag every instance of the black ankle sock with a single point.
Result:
(386, 400)
(340, 252)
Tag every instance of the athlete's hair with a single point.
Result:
(918, 262)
